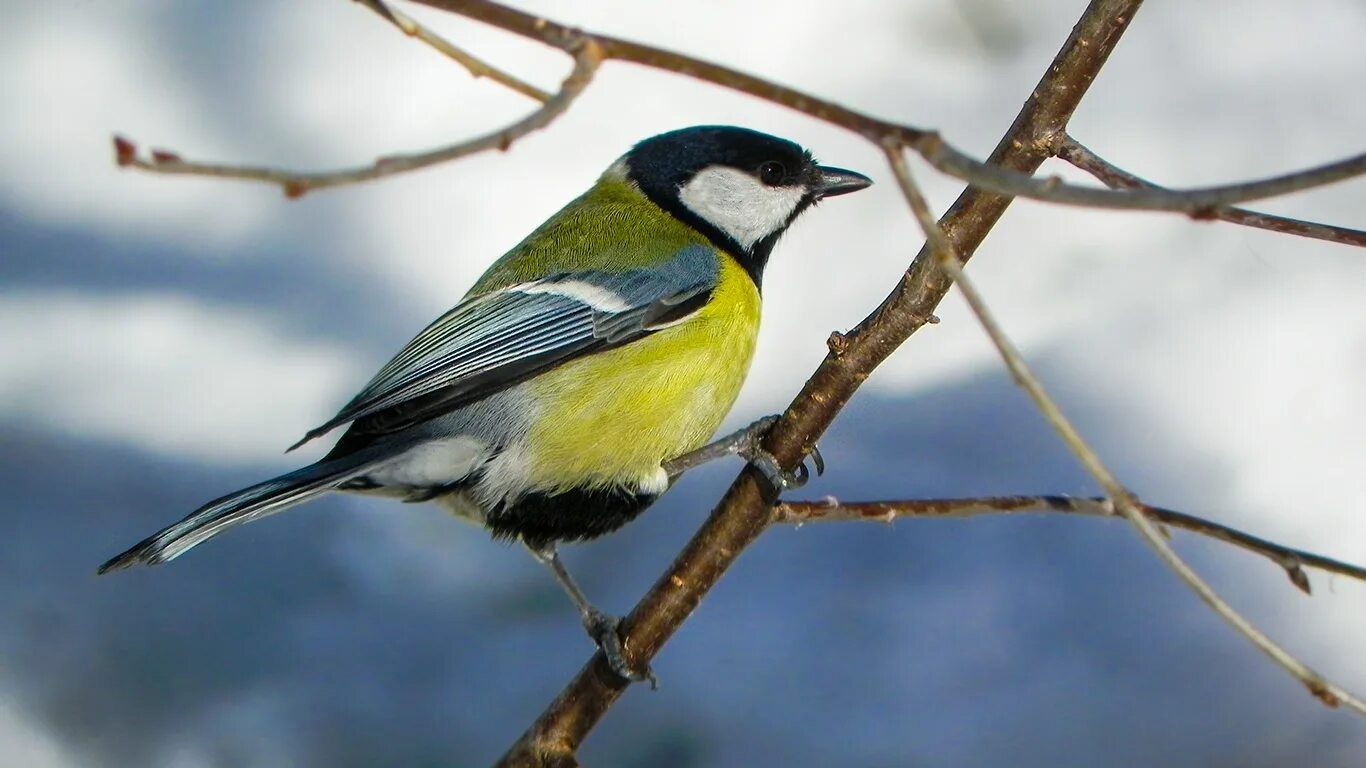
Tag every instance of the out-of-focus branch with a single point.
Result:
(928, 144)
(744, 512)
(1123, 501)
(473, 64)
(586, 60)
(1292, 560)
(1112, 176)
(1195, 202)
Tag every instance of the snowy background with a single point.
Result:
(163, 339)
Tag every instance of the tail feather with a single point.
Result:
(243, 506)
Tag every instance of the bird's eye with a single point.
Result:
(772, 173)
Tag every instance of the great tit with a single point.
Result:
(614, 339)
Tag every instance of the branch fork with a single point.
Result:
(1038, 133)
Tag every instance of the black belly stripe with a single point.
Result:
(574, 515)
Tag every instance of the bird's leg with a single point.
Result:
(746, 443)
(600, 626)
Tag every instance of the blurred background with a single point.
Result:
(163, 339)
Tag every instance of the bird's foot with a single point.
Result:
(605, 631)
(747, 443)
(750, 447)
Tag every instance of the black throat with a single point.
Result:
(752, 259)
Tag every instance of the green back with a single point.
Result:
(612, 227)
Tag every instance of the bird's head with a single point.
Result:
(740, 188)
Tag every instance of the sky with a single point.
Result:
(163, 339)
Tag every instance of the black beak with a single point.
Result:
(837, 181)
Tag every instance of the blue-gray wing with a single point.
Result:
(492, 341)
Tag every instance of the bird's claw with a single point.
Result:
(605, 631)
(767, 466)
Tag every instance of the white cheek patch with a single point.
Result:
(739, 204)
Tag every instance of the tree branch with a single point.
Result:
(1196, 202)
(1123, 500)
(926, 143)
(1293, 561)
(586, 60)
(1077, 154)
(476, 66)
(744, 513)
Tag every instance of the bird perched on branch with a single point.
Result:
(583, 371)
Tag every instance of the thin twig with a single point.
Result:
(1196, 202)
(1123, 500)
(744, 512)
(948, 260)
(295, 184)
(473, 64)
(1112, 176)
(1292, 561)
(928, 144)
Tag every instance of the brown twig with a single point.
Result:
(1292, 561)
(927, 143)
(1123, 501)
(1112, 176)
(586, 60)
(744, 513)
(1195, 202)
(476, 66)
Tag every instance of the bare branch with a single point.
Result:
(1293, 561)
(1195, 202)
(296, 184)
(1077, 154)
(928, 144)
(948, 261)
(743, 514)
(473, 64)
(1120, 497)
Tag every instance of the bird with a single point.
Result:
(583, 372)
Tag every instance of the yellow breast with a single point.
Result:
(612, 418)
